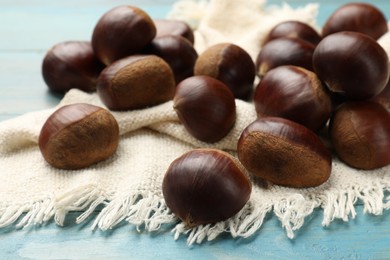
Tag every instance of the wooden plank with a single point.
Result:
(366, 237)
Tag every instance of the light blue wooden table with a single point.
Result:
(27, 30)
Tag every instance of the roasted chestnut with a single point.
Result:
(77, 136)
(358, 17)
(230, 64)
(352, 64)
(206, 107)
(122, 31)
(294, 93)
(360, 134)
(284, 51)
(167, 27)
(204, 186)
(177, 52)
(293, 29)
(71, 64)
(284, 153)
(136, 82)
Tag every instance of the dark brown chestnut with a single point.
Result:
(78, 135)
(294, 29)
(204, 186)
(352, 64)
(122, 31)
(206, 107)
(178, 52)
(294, 93)
(358, 17)
(167, 27)
(71, 64)
(230, 64)
(360, 134)
(284, 51)
(136, 82)
(284, 153)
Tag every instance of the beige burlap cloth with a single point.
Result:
(127, 187)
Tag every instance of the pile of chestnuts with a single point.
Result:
(337, 80)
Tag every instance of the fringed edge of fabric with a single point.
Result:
(148, 211)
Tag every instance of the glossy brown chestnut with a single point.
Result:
(136, 82)
(284, 51)
(230, 64)
(352, 64)
(205, 186)
(71, 64)
(360, 134)
(358, 17)
(294, 29)
(294, 93)
(178, 52)
(284, 153)
(167, 27)
(77, 136)
(120, 32)
(206, 107)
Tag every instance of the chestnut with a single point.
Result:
(122, 31)
(360, 134)
(78, 135)
(358, 17)
(230, 64)
(206, 107)
(293, 29)
(294, 93)
(178, 52)
(136, 82)
(352, 64)
(204, 186)
(284, 51)
(284, 153)
(167, 27)
(71, 64)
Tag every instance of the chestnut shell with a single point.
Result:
(284, 152)
(205, 186)
(122, 31)
(284, 51)
(136, 82)
(293, 93)
(294, 29)
(358, 17)
(360, 134)
(167, 27)
(352, 64)
(78, 135)
(230, 64)
(178, 52)
(71, 64)
(206, 107)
